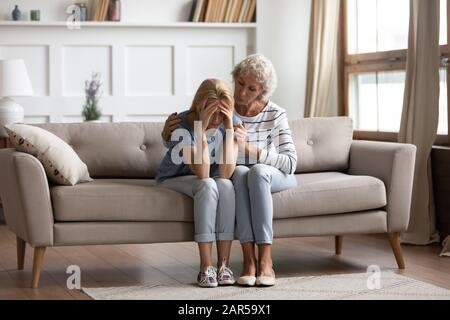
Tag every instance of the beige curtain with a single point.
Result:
(420, 114)
(321, 86)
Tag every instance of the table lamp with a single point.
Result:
(14, 82)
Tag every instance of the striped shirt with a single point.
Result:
(269, 131)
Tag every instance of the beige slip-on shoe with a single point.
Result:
(248, 281)
(265, 281)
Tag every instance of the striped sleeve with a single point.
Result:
(285, 156)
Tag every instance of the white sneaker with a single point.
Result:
(225, 276)
(207, 278)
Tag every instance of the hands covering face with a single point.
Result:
(216, 112)
(206, 114)
(174, 120)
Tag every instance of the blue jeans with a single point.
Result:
(214, 205)
(254, 208)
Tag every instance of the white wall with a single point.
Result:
(283, 32)
(283, 27)
(147, 72)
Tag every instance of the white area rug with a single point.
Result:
(329, 287)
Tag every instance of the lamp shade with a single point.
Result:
(14, 80)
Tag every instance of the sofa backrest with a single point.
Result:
(114, 150)
(135, 150)
(322, 144)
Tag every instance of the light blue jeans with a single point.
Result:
(214, 205)
(254, 208)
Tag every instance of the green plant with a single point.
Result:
(91, 110)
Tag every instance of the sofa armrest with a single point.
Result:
(393, 163)
(25, 195)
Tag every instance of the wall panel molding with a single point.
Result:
(148, 72)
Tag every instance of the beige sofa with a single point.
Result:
(344, 187)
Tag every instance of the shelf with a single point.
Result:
(109, 24)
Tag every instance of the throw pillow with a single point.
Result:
(61, 163)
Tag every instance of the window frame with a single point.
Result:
(394, 60)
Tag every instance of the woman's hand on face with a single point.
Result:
(206, 113)
(240, 134)
(228, 116)
(172, 123)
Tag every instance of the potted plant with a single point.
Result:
(91, 111)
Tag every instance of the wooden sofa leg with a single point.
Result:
(37, 265)
(338, 244)
(20, 253)
(397, 249)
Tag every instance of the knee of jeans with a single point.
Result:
(240, 173)
(258, 173)
(225, 185)
(207, 185)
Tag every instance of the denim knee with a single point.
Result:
(224, 185)
(240, 174)
(258, 174)
(207, 186)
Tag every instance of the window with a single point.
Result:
(376, 100)
(377, 25)
(375, 37)
(443, 103)
(444, 73)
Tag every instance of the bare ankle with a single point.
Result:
(223, 262)
(249, 268)
(265, 263)
(265, 268)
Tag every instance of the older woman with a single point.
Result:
(269, 159)
(265, 139)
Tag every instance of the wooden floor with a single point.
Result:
(126, 265)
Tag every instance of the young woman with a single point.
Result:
(199, 163)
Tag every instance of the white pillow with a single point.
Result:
(61, 163)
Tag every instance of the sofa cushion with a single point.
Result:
(322, 144)
(120, 200)
(114, 150)
(329, 193)
(140, 200)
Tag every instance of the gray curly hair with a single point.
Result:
(262, 68)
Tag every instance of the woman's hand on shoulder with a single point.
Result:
(172, 123)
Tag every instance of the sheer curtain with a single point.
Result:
(420, 114)
(321, 86)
